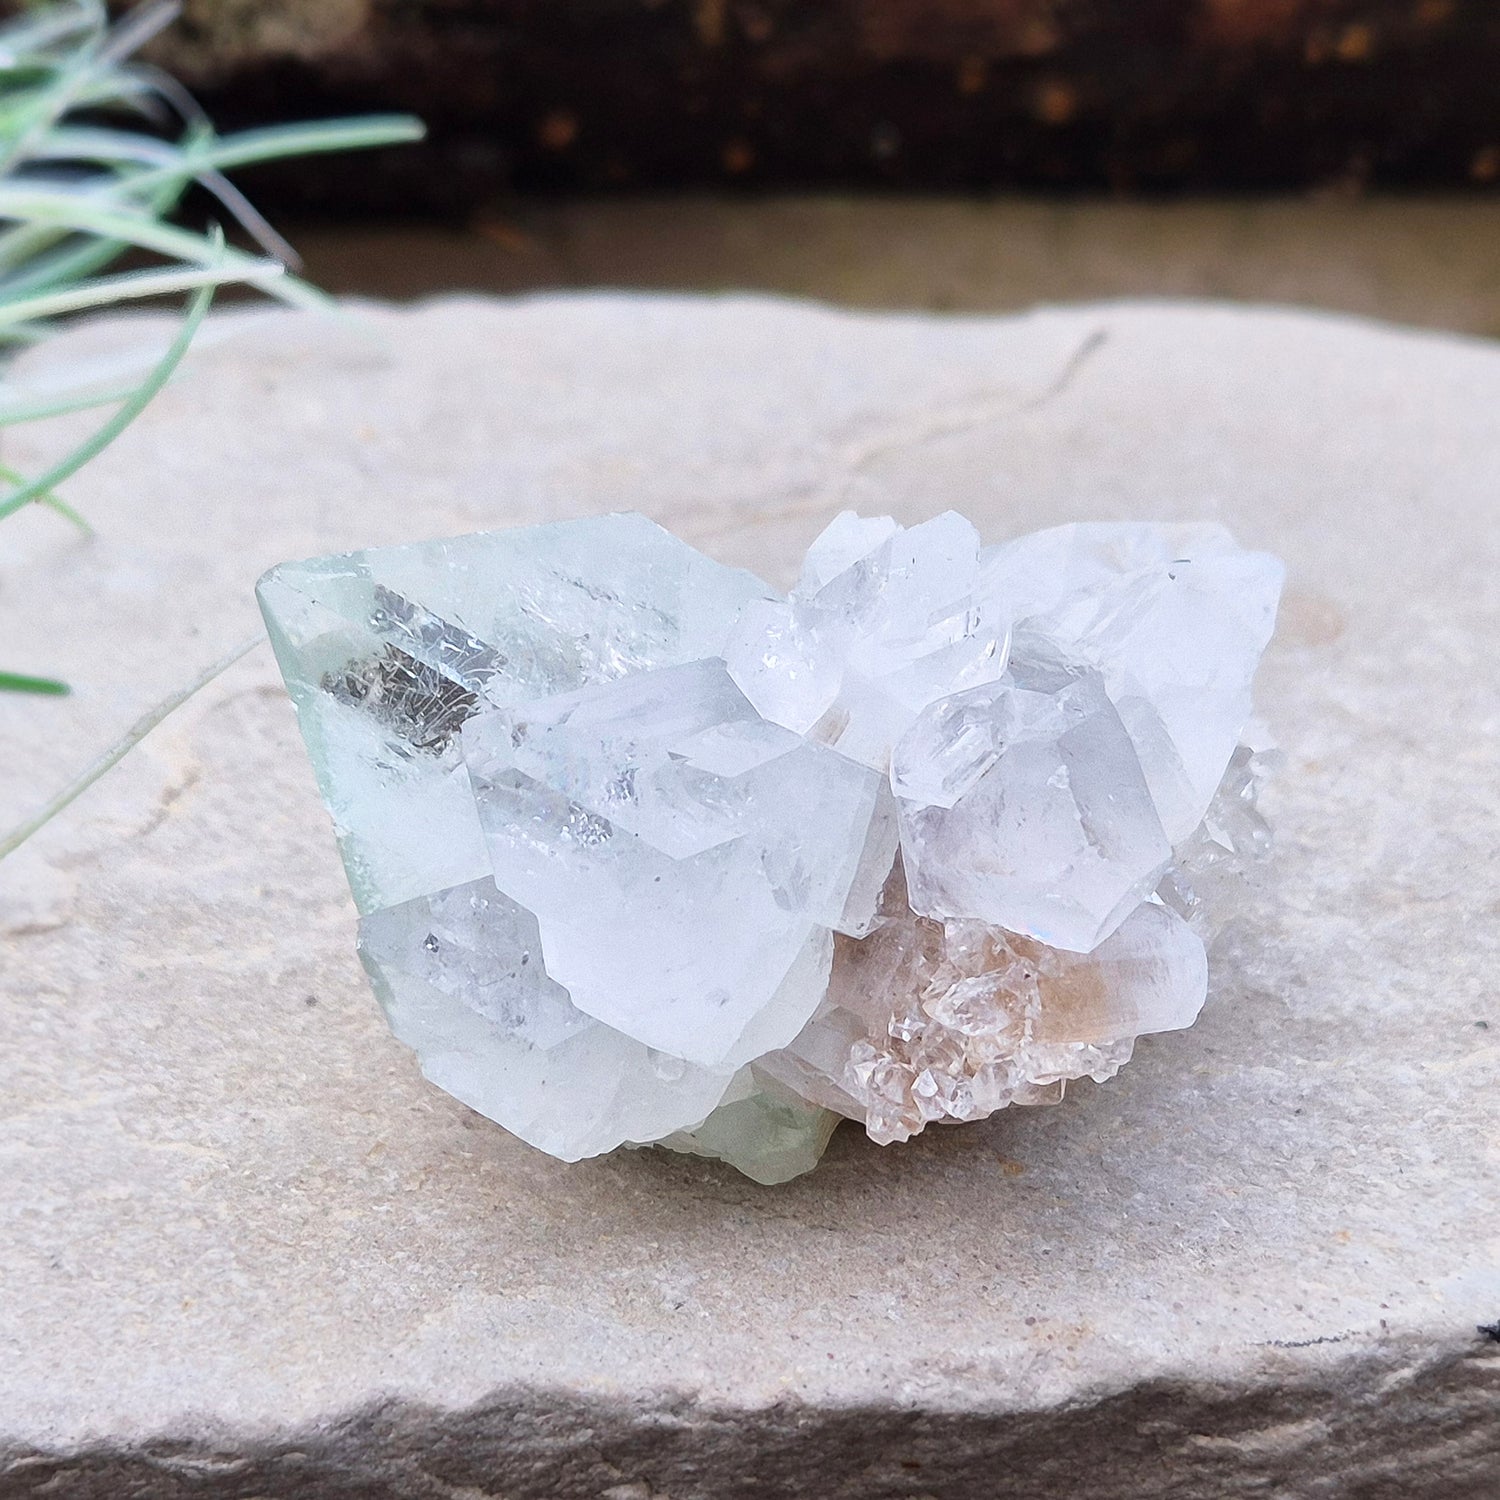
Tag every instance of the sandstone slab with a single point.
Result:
(246, 1251)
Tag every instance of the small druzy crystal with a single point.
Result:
(646, 854)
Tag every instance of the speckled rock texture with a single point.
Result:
(246, 1251)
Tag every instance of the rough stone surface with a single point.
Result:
(245, 1250)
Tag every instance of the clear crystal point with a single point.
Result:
(1175, 618)
(646, 854)
(1023, 805)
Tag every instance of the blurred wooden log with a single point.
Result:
(1123, 95)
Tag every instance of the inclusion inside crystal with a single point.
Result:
(646, 854)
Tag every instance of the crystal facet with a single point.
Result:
(645, 854)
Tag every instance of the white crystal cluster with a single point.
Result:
(646, 853)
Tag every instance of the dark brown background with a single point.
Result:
(1128, 96)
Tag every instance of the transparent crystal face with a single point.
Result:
(387, 653)
(1174, 617)
(882, 622)
(1023, 805)
(647, 855)
(674, 900)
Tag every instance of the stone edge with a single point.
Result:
(1392, 1423)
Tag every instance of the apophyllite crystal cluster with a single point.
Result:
(648, 853)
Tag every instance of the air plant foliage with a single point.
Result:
(97, 151)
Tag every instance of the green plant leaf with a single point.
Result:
(22, 408)
(77, 194)
(47, 498)
(76, 211)
(120, 749)
(127, 413)
(15, 682)
(133, 286)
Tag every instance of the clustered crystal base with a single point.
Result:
(646, 853)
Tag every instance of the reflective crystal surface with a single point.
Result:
(645, 854)
(1175, 617)
(388, 653)
(1023, 805)
(882, 622)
